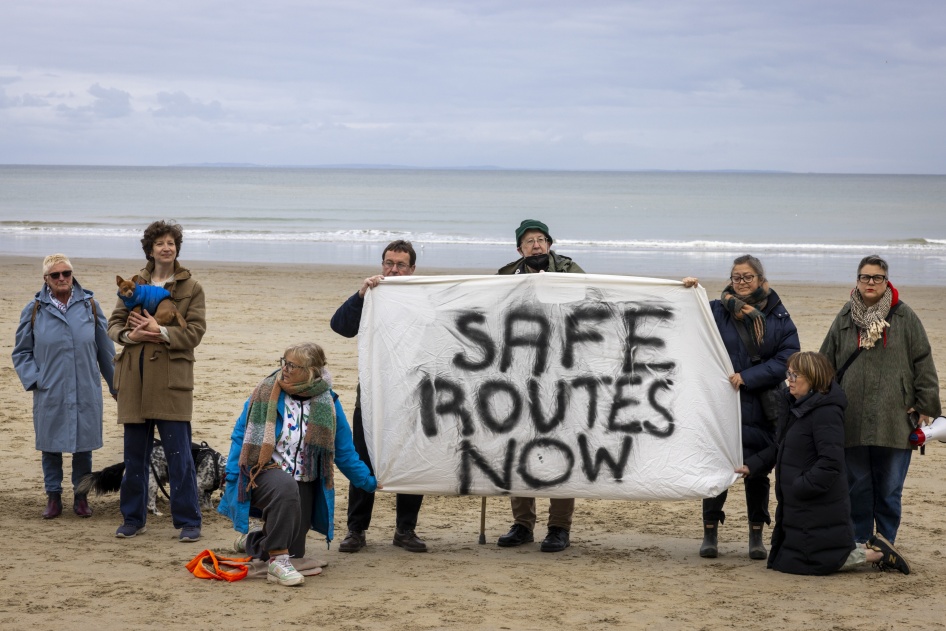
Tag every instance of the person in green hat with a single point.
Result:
(534, 243)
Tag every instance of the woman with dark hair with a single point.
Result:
(760, 336)
(813, 532)
(885, 365)
(283, 451)
(154, 377)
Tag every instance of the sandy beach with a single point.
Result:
(630, 566)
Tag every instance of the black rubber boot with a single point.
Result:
(756, 547)
(710, 547)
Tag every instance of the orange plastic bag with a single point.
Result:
(199, 568)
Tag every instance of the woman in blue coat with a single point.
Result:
(283, 450)
(62, 347)
(760, 336)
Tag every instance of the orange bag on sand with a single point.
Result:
(197, 566)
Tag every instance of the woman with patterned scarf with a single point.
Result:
(760, 336)
(283, 451)
(885, 363)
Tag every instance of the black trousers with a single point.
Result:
(361, 503)
(757, 502)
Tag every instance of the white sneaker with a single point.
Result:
(240, 544)
(281, 571)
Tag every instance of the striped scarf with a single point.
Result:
(754, 321)
(259, 439)
(871, 321)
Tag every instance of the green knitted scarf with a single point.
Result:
(259, 439)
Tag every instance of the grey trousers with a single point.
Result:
(287, 509)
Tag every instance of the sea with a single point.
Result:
(804, 227)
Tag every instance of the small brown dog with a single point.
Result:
(155, 300)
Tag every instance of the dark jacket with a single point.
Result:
(780, 342)
(347, 317)
(558, 263)
(813, 532)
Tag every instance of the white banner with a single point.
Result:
(547, 385)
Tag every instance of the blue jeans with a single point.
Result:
(182, 475)
(52, 469)
(875, 477)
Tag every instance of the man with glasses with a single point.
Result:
(398, 259)
(535, 248)
(534, 244)
(885, 366)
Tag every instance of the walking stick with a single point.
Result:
(483, 522)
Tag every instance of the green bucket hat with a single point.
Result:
(532, 224)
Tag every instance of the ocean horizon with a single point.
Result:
(804, 227)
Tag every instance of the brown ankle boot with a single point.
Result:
(53, 506)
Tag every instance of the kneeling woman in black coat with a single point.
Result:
(813, 531)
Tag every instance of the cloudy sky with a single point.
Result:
(840, 86)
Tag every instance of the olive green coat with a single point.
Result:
(164, 388)
(884, 382)
(558, 263)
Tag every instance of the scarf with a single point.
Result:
(754, 321)
(870, 321)
(259, 439)
(536, 262)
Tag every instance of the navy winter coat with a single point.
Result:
(813, 533)
(781, 341)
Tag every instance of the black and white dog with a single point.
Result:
(211, 475)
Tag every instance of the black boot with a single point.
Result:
(756, 547)
(710, 547)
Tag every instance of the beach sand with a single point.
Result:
(632, 565)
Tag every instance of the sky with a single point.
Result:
(805, 86)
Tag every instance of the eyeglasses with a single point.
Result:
(535, 240)
(791, 376)
(867, 278)
(288, 365)
(400, 265)
(65, 274)
(745, 278)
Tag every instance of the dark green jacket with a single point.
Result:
(558, 263)
(884, 381)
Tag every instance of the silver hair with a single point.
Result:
(53, 260)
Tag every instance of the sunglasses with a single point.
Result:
(65, 274)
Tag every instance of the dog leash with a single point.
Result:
(199, 568)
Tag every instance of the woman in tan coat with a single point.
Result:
(154, 376)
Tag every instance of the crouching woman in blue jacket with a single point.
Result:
(283, 450)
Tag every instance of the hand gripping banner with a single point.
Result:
(547, 385)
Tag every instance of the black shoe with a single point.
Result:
(756, 547)
(516, 536)
(892, 560)
(353, 541)
(709, 549)
(556, 540)
(408, 540)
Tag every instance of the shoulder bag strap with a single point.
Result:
(850, 360)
